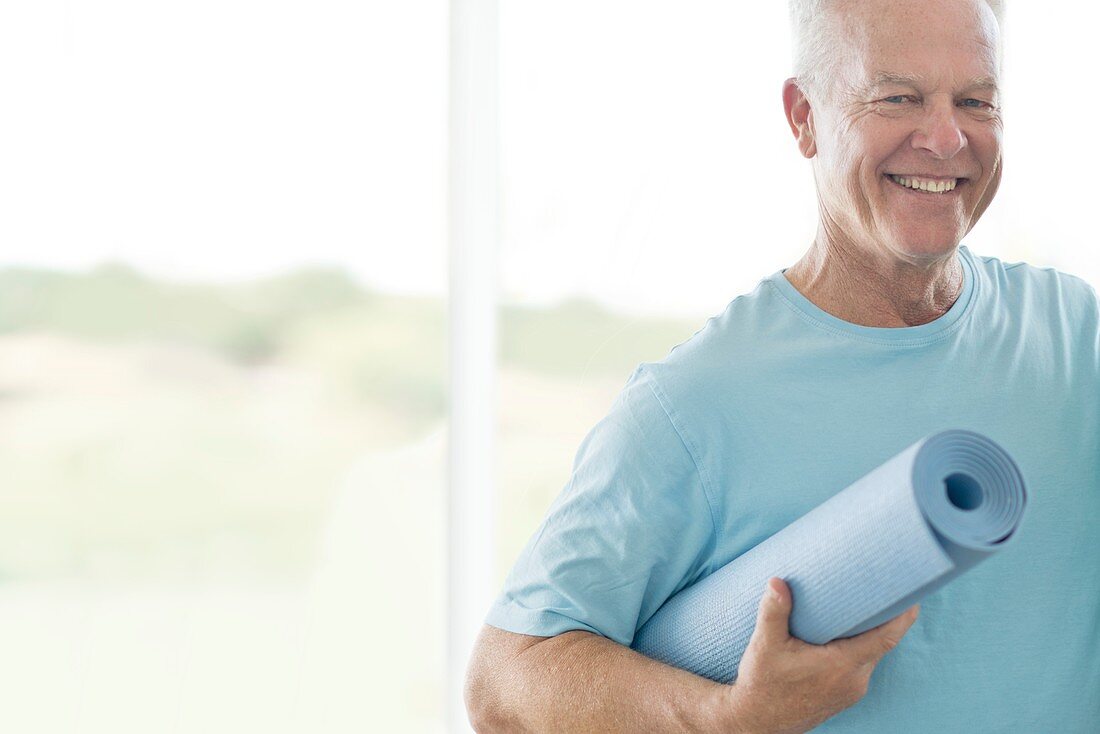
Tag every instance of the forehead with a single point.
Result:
(931, 41)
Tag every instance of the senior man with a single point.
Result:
(885, 331)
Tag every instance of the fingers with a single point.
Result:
(870, 646)
(773, 616)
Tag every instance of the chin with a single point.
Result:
(928, 245)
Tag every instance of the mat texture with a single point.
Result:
(861, 557)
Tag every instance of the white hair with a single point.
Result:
(815, 64)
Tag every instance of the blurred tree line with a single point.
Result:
(390, 350)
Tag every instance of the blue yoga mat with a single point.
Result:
(856, 560)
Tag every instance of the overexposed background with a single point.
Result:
(223, 310)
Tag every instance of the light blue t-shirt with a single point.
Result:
(773, 407)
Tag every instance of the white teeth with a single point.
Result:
(936, 187)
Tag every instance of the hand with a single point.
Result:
(787, 686)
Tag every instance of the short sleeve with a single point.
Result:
(632, 526)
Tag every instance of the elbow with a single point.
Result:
(472, 695)
(479, 698)
(493, 687)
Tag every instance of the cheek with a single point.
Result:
(850, 162)
(869, 158)
(986, 144)
(986, 147)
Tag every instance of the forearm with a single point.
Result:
(581, 682)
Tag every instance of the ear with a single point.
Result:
(800, 117)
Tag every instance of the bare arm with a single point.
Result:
(581, 682)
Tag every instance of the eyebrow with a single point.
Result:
(882, 78)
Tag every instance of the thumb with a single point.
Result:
(773, 617)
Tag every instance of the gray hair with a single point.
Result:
(815, 65)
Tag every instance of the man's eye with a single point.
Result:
(896, 98)
(977, 103)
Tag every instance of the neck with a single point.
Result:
(877, 288)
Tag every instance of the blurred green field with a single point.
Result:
(154, 429)
(223, 509)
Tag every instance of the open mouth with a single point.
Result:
(930, 186)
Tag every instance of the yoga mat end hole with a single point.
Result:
(963, 491)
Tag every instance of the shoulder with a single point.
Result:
(700, 379)
(1048, 288)
(1023, 274)
(725, 340)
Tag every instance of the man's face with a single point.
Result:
(914, 105)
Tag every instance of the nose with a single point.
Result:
(939, 132)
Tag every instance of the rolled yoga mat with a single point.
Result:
(858, 559)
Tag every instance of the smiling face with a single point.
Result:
(907, 146)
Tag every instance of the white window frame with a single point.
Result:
(473, 234)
